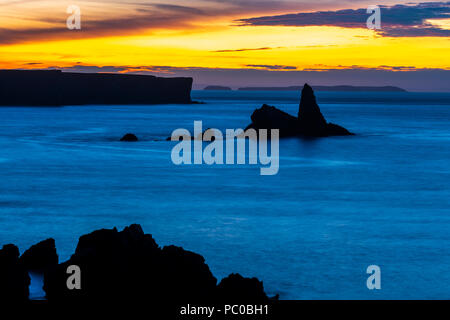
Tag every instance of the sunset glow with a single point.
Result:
(213, 40)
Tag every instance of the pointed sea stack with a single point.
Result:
(310, 121)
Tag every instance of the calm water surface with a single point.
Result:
(337, 205)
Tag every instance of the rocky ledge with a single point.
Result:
(310, 122)
(125, 266)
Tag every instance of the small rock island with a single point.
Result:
(309, 123)
(129, 137)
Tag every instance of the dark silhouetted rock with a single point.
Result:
(14, 279)
(40, 257)
(56, 88)
(268, 117)
(310, 118)
(310, 121)
(129, 137)
(129, 266)
(185, 276)
(237, 288)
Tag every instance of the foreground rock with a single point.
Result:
(40, 257)
(14, 278)
(129, 137)
(310, 121)
(129, 266)
(237, 288)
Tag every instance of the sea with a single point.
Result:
(337, 205)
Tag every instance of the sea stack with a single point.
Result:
(310, 122)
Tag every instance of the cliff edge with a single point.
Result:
(57, 88)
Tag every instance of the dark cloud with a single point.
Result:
(271, 67)
(142, 16)
(396, 21)
(139, 15)
(143, 20)
(175, 8)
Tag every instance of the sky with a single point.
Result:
(235, 42)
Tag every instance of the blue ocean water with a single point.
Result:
(336, 206)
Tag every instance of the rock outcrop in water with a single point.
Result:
(129, 266)
(310, 121)
(56, 88)
(129, 137)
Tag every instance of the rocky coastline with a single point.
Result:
(120, 266)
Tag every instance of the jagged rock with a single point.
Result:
(237, 288)
(129, 266)
(268, 117)
(310, 121)
(185, 275)
(40, 257)
(14, 279)
(126, 266)
(129, 137)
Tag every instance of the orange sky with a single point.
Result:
(202, 34)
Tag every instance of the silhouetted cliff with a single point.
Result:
(56, 88)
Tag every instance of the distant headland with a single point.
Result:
(327, 88)
(57, 88)
(218, 88)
